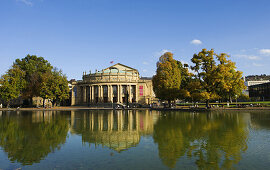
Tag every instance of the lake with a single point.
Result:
(134, 139)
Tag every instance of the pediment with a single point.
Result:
(120, 68)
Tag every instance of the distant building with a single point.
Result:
(116, 84)
(260, 91)
(251, 82)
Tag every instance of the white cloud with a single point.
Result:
(257, 65)
(250, 57)
(144, 70)
(145, 63)
(26, 2)
(164, 51)
(184, 62)
(160, 53)
(265, 52)
(196, 42)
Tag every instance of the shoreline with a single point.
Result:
(69, 108)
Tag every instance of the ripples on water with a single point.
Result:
(134, 140)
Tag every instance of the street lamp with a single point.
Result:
(236, 99)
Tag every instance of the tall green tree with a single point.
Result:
(54, 86)
(60, 88)
(186, 78)
(11, 84)
(34, 67)
(167, 81)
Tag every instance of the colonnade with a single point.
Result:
(96, 93)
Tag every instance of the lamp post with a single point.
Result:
(236, 99)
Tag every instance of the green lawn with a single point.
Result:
(263, 103)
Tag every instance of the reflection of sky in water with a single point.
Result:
(143, 140)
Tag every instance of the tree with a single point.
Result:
(60, 88)
(54, 86)
(217, 81)
(230, 79)
(34, 67)
(186, 78)
(167, 81)
(206, 73)
(11, 84)
(46, 91)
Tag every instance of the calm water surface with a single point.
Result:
(134, 140)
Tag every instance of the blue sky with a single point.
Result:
(83, 35)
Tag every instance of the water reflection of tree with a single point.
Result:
(260, 120)
(27, 142)
(213, 140)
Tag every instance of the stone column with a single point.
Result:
(90, 93)
(136, 94)
(98, 93)
(130, 94)
(73, 97)
(120, 93)
(101, 93)
(110, 92)
(84, 94)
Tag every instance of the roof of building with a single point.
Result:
(118, 68)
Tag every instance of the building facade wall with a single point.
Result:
(260, 92)
(115, 84)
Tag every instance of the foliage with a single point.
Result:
(167, 81)
(11, 84)
(34, 76)
(60, 88)
(34, 67)
(186, 78)
(229, 79)
(217, 76)
(54, 86)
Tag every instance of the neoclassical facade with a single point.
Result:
(116, 84)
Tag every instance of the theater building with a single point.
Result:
(116, 84)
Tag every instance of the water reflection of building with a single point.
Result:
(118, 130)
(42, 116)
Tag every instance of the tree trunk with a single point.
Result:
(169, 102)
(43, 102)
(54, 103)
(31, 102)
(8, 103)
(207, 104)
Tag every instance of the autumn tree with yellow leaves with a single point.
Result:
(167, 81)
(216, 76)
